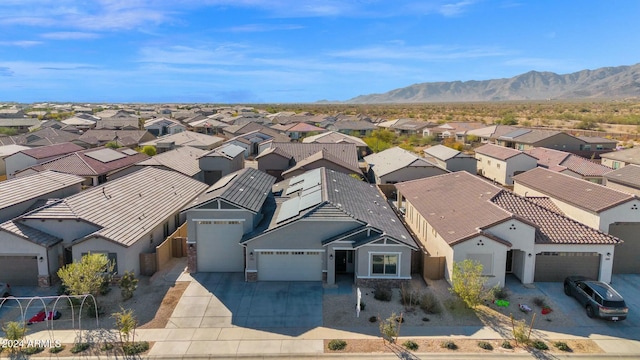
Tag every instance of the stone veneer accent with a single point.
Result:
(252, 276)
(324, 277)
(192, 258)
(44, 281)
(370, 283)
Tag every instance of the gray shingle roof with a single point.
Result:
(247, 188)
(628, 175)
(322, 155)
(18, 190)
(127, 208)
(631, 156)
(394, 159)
(581, 193)
(85, 163)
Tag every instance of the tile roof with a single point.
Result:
(96, 136)
(597, 140)
(352, 125)
(334, 137)
(29, 233)
(410, 124)
(553, 228)
(21, 189)
(44, 152)
(247, 188)
(394, 159)
(304, 127)
(557, 160)
(6, 150)
(498, 152)
(536, 135)
(346, 153)
(546, 203)
(228, 151)
(585, 167)
(322, 155)
(42, 137)
(125, 209)
(631, 155)
(444, 153)
(183, 160)
(86, 163)
(581, 193)
(189, 138)
(244, 128)
(628, 175)
(456, 204)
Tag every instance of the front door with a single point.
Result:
(341, 261)
(509, 264)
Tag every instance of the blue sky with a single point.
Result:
(283, 51)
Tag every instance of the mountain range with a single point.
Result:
(603, 83)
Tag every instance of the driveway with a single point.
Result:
(627, 285)
(220, 300)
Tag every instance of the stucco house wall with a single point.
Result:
(364, 263)
(493, 251)
(467, 164)
(14, 245)
(273, 163)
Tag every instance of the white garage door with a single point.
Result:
(219, 248)
(298, 265)
(555, 266)
(19, 270)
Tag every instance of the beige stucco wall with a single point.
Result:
(496, 250)
(627, 212)
(610, 163)
(273, 162)
(492, 168)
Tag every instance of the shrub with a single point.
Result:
(31, 350)
(56, 349)
(506, 344)
(467, 282)
(409, 296)
(373, 319)
(429, 303)
(520, 332)
(389, 328)
(499, 293)
(411, 345)
(561, 345)
(135, 348)
(128, 284)
(540, 345)
(337, 345)
(539, 301)
(448, 345)
(382, 293)
(79, 347)
(485, 345)
(106, 347)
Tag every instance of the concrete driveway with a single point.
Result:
(221, 300)
(627, 285)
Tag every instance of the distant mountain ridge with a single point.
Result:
(603, 83)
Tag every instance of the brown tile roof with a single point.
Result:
(44, 152)
(546, 203)
(34, 186)
(552, 228)
(183, 160)
(581, 193)
(82, 164)
(320, 155)
(304, 127)
(347, 153)
(557, 160)
(628, 175)
(498, 152)
(457, 205)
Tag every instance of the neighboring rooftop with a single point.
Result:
(44, 152)
(631, 156)
(187, 138)
(628, 175)
(346, 153)
(581, 193)
(498, 152)
(394, 159)
(228, 151)
(557, 160)
(334, 137)
(183, 160)
(444, 153)
(18, 190)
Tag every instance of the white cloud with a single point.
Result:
(262, 28)
(70, 35)
(20, 43)
(423, 53)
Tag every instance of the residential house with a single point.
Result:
(122, 219)
(396, 165)
(334, 137)
(184, 160)
(569, 164)
(32, 156)
(97, 166)
(240, 129)
(284, 160)
(22, 256)
(21, 125)
(254, 142)
(209, 126)
(163, 126)
(457, 130)
(117, 120)
(595, 146)
(82, 121)
(348, 229)
(451, 159)
(6, 151)
(221, 162)
(621, 158)
(625, 179)
(410, 126)
(357, 127)
(100, 137)
(42, 137)
(609, 210)
(185, 138)
(297, 131)
(459, 216)
(500, 164)
(12, 113)
(490, 134)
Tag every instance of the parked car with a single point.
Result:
(598, 298)
(5, 290)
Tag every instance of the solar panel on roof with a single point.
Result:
(129, 152)
(310, 200)
(294, 188)
(105, 155)
(288, 209)
(309, 190)
(221, 183)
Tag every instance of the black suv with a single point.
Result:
(598, 298)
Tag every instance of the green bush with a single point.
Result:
(485, 345)
(135, 348)
(106, 347)
(561, 345)
(448, 345)
(520, 332)
(411, 345)
(382, 293)
(337, 345)
(389, 328)
(539, 345)
(31, 350)
(56, 349)
(79, 347)
(506, 344)
(429, 303)
(128, 284)
(499, 293)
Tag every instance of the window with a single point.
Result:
(384, 264)
(616, 165)
(498, 165)
(488, 162)
(165, 229)
(599, 147)
(520, 147)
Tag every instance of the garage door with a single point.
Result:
(19, 270)
(555, 266)
(290, 265)
(219, 248)
(626, 258)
